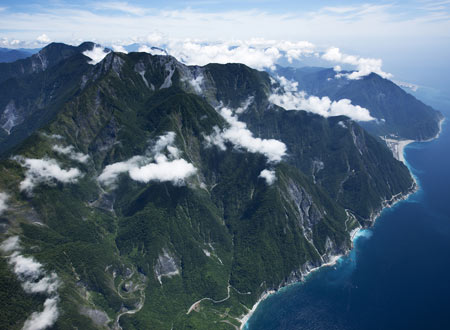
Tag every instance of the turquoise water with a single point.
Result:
(398, 274)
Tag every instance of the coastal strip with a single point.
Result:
(398, 146)
(333, 259)
(398, 149)
(243, 320)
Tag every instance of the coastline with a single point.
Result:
(333, 259)
(398, 146)
(398, 152)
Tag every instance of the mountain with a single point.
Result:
(11, 55)
(145, 194)
(399, 114)
(46, 58)
(34, 89)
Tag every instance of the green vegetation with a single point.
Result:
(154, 249)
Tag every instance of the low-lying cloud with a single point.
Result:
(162, 170)
(34, 279)
(32, 275)
(70, 152)
(46, 318)
(43, 39)
(290, 98)
(119, 49)
(151, 50)
(3, 202)
(242, 138)
(10, 244)
(45, 171)
(191, 52)
(244, 106)
(364, 66)
(96, 54)
(269, 176)
(156, 167)
(196, 83)
(257, 53)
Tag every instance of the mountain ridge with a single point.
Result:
(398, 114)
(155, 242)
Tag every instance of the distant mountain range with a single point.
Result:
(398, 113)
(148, 194)
(11, 55)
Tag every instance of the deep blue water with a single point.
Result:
(398, 274)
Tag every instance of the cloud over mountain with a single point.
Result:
(242, 138)
(70, 152)
(364, 66)
(289, 98)
(268, 175)
(34, 279)
(3, 202)
(44, 319)
(46, 171)
(156, 167)
(96, 54)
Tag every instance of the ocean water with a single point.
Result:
(398, 274)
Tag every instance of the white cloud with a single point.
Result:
(364, 66)
(268, 175)
(292, 99)
(31, 272)
(71, 153)
(144, 49)
(342, 124)
(151, 50)
(53, 136)
(162, 170)
(48, 284)
(43, 39)
(244, 106)
(44, 319)
(25, 267)
(96, 54)
(44, 171)
(164, 141)
(121, 6)
(197, 53)
(3, 199)
(112, 171)
(288, 85)
(364, 25)
(119, 49)
(34, 279)
(155, 38)
(158, 167)
(240, 136)
(196, 83)
(10, 244)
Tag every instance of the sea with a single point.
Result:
(397, 276)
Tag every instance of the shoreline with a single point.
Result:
(353, 234)
(333, 259)
(398, 146)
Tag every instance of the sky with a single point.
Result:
(412, 38)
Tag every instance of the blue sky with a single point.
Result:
(411, 37)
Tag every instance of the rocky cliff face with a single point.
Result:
(152, 185)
